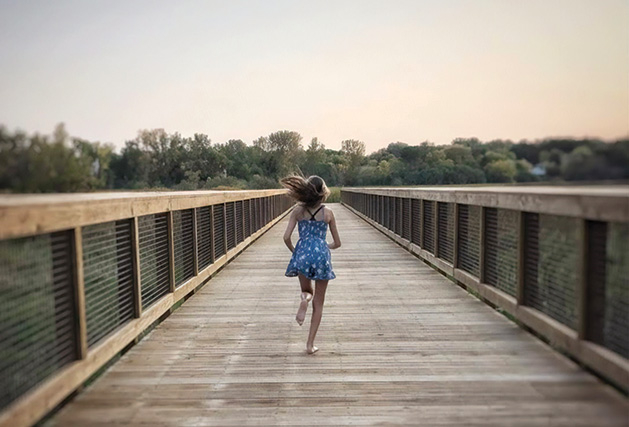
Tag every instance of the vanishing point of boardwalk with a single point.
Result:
(399, 344)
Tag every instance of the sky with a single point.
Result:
(377, 71)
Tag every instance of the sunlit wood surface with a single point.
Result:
(399, 344)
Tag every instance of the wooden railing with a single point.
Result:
(83, 276)
(555, 259)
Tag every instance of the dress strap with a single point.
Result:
(312, 215)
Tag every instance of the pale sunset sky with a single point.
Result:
(378, 71)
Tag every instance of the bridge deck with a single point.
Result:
(399, 344)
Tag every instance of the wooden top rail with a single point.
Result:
(23, 215)
(590, 202)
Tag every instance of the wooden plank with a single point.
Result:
(415, 348)
(137, 274)
(79, 295)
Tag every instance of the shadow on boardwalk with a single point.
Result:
(399, 344)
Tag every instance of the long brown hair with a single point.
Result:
(310, 191)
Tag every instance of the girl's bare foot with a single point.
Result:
(303, 307)
(312, 350)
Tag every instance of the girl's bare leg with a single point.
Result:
(306, 296)
(317, 311)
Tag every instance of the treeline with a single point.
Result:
(159, 160)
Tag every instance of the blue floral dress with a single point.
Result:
(311, 256)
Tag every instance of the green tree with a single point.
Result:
(500, 171)
(354, 151)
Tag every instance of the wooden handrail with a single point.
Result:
(594, 203)
(115, 263)
(23, 215)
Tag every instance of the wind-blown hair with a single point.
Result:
(310, 191)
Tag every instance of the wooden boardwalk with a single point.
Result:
(399, 344)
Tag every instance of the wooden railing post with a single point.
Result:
(137, 278)
(225, 239)
(482, 243)
(455, 243)
(251, 225)
(235, 224)
(422, 222)
(519, 294)
(213, 239)
(171, 249)
(195, 245)
(242, 220)
(582, 284)
(435, 214)
(410, 219)
(79, 295)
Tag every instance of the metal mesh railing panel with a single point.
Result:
(428, 231)
(183, 239)
(265, 211)
(385, 212)
(204, 237)
(392, 213)
(259, 213)
(37, 335)
(469, 239)
(531, 255)
(616, 318)
(557, 269)
(445, 217)
(240, 232)
(154, 259)
(247, 214)
(231, 225)
(373, 207)
(406, 219)
(416, 214)
(278, 205)
(399, 215)
(254, 215)
(108, 275)
(501, 249)
(219, 231)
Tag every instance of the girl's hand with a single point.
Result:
(333, 231)
(289, 230)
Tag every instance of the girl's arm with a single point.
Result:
(292, 221)
(334, 231)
